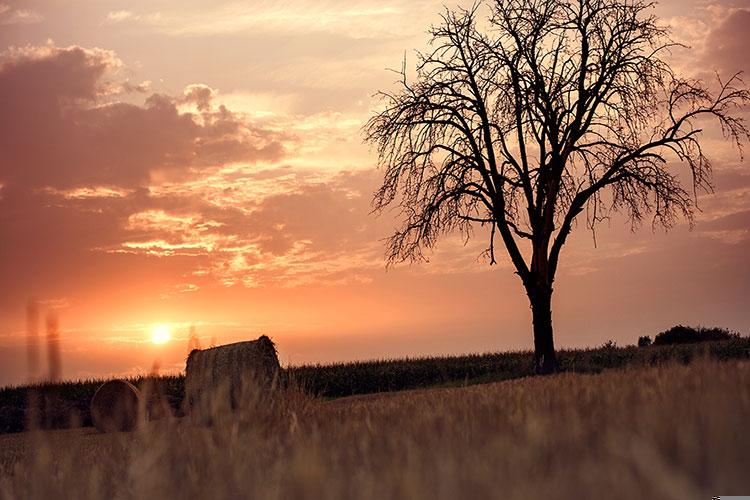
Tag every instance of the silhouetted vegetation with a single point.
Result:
(67, 404)
(688, 335)
(346, 379)
(644, 341)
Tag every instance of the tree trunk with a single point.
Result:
(545, 361)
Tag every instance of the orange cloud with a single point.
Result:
(10, 15)
(726, 44)
(64, 130)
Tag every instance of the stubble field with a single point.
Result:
(666, 432)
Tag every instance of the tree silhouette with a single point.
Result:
(523, 118)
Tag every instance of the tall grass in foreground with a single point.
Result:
(668, 432)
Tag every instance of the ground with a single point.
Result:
(667, 432)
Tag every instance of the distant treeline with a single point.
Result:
(688, 335)
(67, 404)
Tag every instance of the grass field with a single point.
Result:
(66, 404)
(672, 431)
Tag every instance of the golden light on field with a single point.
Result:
(161, 333)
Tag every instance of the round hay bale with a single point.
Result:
(114, 406)
(221, 377)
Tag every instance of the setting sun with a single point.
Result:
(161, 333)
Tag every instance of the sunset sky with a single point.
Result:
(188, 163)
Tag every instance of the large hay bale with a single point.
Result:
(114, 406)
(220, 377)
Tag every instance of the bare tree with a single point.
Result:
(523, 118)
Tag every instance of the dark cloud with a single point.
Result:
(77, 166)
(727, 44)
(61, 129)
(200, 95)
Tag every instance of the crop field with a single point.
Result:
(672, 431)
(67, 404)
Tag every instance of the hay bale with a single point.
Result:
(221, 377)
(114, 406)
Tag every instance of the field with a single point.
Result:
(67, 404)
(671, 431)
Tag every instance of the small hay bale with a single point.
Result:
(222, 376)
(114, 406)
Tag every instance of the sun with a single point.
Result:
(161, 333)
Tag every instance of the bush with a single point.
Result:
(688, 335)
(644, 341)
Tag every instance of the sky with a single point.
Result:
(200, 165)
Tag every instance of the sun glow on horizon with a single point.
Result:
(161, 333)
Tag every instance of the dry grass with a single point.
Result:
(669, 432)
